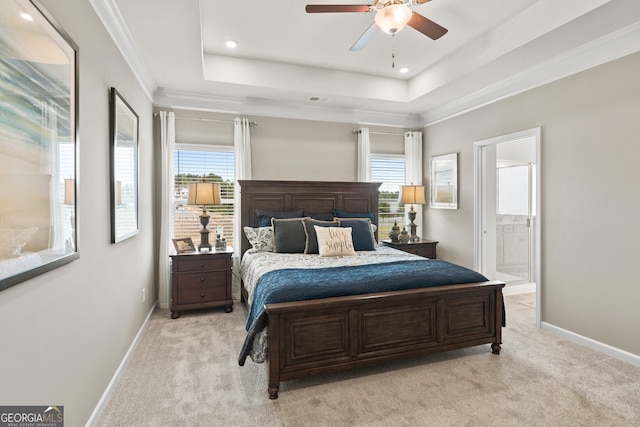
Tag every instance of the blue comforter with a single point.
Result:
(298, 284)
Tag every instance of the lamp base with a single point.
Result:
(204, 241)
(204, 232)
(413, 226)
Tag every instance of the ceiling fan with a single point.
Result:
(391, 17)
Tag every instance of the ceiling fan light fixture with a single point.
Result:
(393, 18)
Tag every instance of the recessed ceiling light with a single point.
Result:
(403, 70)
(231, 44)
(26, 16)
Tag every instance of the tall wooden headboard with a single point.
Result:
(312, 196)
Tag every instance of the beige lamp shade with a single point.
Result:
(204, 194)
(413, 194)
(70, 192)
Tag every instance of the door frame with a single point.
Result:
(479, 183)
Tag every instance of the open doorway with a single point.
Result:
(515, 215)
(507, 211)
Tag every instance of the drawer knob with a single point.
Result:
(202, 265)
(202, 295)
(202, 278)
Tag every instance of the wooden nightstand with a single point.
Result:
(201, 280)
(424, 248)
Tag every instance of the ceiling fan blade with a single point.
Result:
(331, 8)
(426, 26)
(365, 38)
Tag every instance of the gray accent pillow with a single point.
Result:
(288, 235)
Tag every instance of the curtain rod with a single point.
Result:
(204, 119)
(379, 133)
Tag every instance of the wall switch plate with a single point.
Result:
(144, 294)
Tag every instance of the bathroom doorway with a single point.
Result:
(507, 211)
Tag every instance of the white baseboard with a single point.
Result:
(623, 355)
(114, 379)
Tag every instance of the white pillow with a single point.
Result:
(261, 238)
(334, 241)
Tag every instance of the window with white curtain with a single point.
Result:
(389, 169)
(203, 164)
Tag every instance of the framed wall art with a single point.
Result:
(38, 143)
(123, 125)
(444, 181)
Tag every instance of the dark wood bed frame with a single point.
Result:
(334, 334)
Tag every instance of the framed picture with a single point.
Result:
(123, 125)
(38, 143)
(184, 245)
(444, 181)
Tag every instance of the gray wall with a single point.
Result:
(64, 333)
(286, 149)
(590, 201)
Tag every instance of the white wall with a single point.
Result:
(64, 333)
(590, 203)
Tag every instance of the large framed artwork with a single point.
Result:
(444, 181)
(124, 168)
(38, 143)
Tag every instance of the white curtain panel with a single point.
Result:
(413, 167)
(168, 141)
(364, 156)
(242, 148)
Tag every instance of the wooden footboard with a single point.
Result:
(334, 334)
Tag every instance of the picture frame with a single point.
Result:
(123, 137)
(444, 181)
(184, 245)
(38, 143)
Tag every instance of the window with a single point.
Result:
(388, 169)
(203, 164)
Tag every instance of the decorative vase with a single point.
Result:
(394, 234)
(404, 235)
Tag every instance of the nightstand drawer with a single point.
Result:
(194, 288)
(423, 248)
(211, 263)
(429, 252)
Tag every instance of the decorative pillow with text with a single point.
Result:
(334, 241)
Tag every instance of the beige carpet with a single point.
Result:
(185, 373)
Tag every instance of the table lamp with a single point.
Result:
(204, 194)
(413, 195)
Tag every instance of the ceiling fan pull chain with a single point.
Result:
(393, 54)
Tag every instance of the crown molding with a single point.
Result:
(111, 18)
(605, 49)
